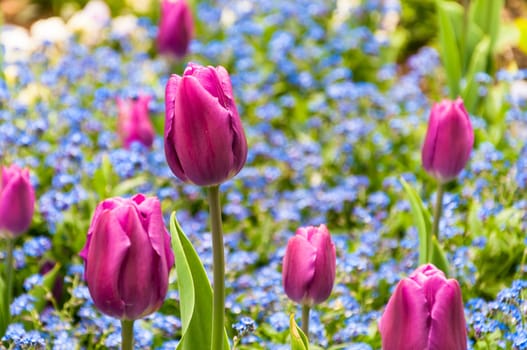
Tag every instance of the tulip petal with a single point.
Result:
(448, 327)
(202, 132)
(298, 268)
(322, 283)
(152, 219)
(428, 151)
(108, 247)
(176, 28)
(457, 138)
(404, 324)
(170, 147)
(239, 141)
(449, 140)
(17, 203)
(141, 267)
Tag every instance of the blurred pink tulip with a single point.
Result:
(309, 263)
(17, 201)
(176, 28)
(424, 313)
(204, 138)
(128, 257)
(449, 140)
(133, 122)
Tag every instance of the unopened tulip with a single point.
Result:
(133, 123)
(176, 28)
(424, 313)
(449, 140)
(204, 139)
(309, 265)
(17, 201)
(128, 257)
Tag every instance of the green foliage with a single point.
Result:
(298, 338)
(418, 25)
(423, 222)
(42, 292)
(500, 258)
(467, 42)
(195, 293)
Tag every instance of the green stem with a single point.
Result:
(305, 319)
(437, 217)
(127, 334)
(218, 309)
(9, 273)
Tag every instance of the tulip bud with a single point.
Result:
(309, 265)
(133, 123)
(424, 312)
(204, 139)
(128, 257)
(176, 28)
(17, 201)
(449, 140)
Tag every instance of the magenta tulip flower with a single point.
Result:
(309, 265)
(128, 257)
(449, 140)
(204, 139)
(424, 313)
(133, 123)
(176, 28)
(17, 201)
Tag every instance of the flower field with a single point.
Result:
(335, 106)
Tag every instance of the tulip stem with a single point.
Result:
(305, 319)
(437, 217)
(127, 334)
(9, 275)
(218, 266)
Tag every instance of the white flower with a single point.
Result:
(16, 42)
(51, 29)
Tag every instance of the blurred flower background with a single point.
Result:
(334, 97)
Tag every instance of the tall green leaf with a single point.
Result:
(439, 258)
(487, 14)
(298, 338)
(423, 222)
(449, 14)
(422, 219)
(478, 64)
(195, 293)
(40, 292)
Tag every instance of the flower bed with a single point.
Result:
(333, 124)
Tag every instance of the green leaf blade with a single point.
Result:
(195, 293)
(298, 338)
(421, 217)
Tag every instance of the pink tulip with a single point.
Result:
(128, 257)
(449, 140)
(17, 201)
(204, 139)
(176, 28)
(309, 265)
(133, 123)
(424, 313)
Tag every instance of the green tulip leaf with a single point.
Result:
(439, 258)
(42, 291)
(298, 338)
(449, 15)
(487, 14)
(478, 64)
(195, 293)
(422, 219)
